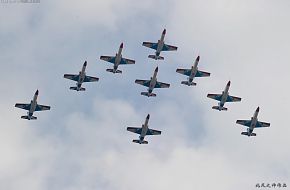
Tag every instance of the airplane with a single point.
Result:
(151, 84)
(192, 73)
(143, 131)
(253, 123)
(80, 78)
(117, 60)
(159, 46)
(32, 107)
(223, 98)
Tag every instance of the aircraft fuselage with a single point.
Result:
(144, 129)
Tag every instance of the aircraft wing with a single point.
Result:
(90, 79)
(233, 99)
(186, 72)
(71, 77)
(150, 45)
(41, 107)
(217, 97)
(134, 130)
(161, 85)
(169, 48)
(153, 132)
(244, 122)
(23, 106)
(143, 82)
(262, 124)
(125, 61)
(202, 74)
(110, 59)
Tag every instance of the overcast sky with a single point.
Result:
(82, 142)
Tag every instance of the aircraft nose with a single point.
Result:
(36, 93)
(156, 70)
(148, 116)
(164, 31)
(198, 57)
(85, 63)
(121, 46)
(258, 109)
(229, 83)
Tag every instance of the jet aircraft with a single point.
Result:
(32, 107)
(223, 98)
(143, 131)
(151, 84)
(192, 73)
(253, 123)
(159, 46)
(80, 78)
(117, 60)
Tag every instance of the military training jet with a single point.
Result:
(32, 107)
(80, 78)
(143, 131)
(223, 98)
(117, 60)
(253, 123)
(192, 73)
(159, 46)
(151, 84)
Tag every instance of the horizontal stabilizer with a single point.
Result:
(219, 108)
(156, 57)
(188, 83)
(113, 71)
(148, 94)
(248, 134)
(140, 142)
(77, 89)
(28, 118)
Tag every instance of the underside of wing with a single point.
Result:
(150, 45)
(143, 82)
(153, 132)
(186, 72)
(23, 106)
(110, 59)
(217, 97)
(41, 107)
(244, 122)
(71, 77)
(169, 48)
(262, 124)
(161, 85)
(233, 99)
(134, 130)
(90, 79)
(202, 74)
(125, 61)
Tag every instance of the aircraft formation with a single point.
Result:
(151, 84)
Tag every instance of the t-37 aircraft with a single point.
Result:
(192, 73)
(117, 60)
(143, 131)
(253, 123)
(159, 46)
(80, 78)
(32, 107)
(223, 98)
(151, 84)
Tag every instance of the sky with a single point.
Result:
(82, 142)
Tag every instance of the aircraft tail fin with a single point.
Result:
(156, 57)
(148, 94)
(219, 108)
(28, 118)
(140, 142)
(77, 89)
(188, 83)
(113, 71)
(248, 134)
